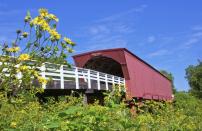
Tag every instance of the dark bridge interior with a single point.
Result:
(104, 64)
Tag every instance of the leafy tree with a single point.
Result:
(170, 77)
(194, 77)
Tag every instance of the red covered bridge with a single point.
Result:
(142, 80)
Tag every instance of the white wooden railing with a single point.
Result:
(63, 72)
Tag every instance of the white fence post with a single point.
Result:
(61, 77)
(98, 80)
(113, 80)
(43, 74)
(124, 84)
(89, 81)
(76, 78)
(119, 81)
(106, 82)
(19, 74)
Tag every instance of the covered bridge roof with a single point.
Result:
(124, 49)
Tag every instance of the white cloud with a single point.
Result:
(139, 9)
(191, 41)
(111, 31)
(198, 34)
(107, 35)
(194, 38)
(123, 28)
(159, 53)
(197, 28)
(108, 28)
(151, 39)
(109, 43)
(97, 29)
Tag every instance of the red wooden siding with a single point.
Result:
(142, 80)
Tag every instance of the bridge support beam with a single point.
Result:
(91, 96)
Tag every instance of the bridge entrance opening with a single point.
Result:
(105, 65)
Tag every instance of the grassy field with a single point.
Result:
(70, 114)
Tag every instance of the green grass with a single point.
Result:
(184, 114)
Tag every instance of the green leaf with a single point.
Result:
(53, 125)
(71, 110)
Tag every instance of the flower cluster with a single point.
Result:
(54, 35)
(43, 22)
(43, 44)
(68, 41)
(52, 17)
(44, 13)
(22, 68)
(23, 57)
(13, 49)
(40, 21)
(42, 80)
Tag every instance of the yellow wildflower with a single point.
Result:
(16, 49)
(68, 41)
(35, 73)
(37, 20)
(13, 124)
(43, 12)
(53, 17)
(45, 26)
(25, 34)
(13, 49)
(23, 68)
(24, 57)
(41, 22)
(54, 34)
(57, 36)
(42, 80)
(70, 50)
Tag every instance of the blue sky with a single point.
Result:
(166, 34)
